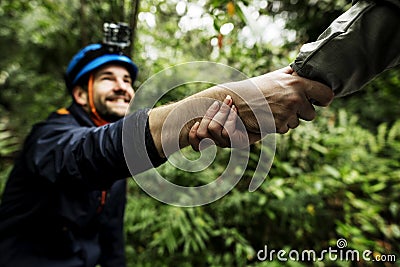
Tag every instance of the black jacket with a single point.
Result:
(64, 201)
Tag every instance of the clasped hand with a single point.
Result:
(289, 97)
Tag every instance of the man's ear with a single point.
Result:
(80, 96)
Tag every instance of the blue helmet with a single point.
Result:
(92, 57)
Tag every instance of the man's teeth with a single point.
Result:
(120, 100)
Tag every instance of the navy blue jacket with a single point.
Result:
(64, 201)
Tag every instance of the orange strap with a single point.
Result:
(98, 121)
(102, 201)
(63, 111)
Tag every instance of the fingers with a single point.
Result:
(318, 93)
(209, 129)
(217, 124)
(306, 111)
(194, 141)
(210, 113)
(212, 123)
(307, 93)
(289, 107)
(222, 129)
(293, 122)
(230, 124)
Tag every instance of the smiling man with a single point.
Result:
(65, 198)
(111, 104)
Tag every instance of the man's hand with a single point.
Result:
(288, 95)
(219, 126)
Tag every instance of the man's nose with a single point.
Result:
(120, 84)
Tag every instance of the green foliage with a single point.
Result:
(8, 143)
(337, 177)
(331, 179)
(380, 96)
(8, 147)
(308, 17)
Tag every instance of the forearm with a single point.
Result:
(358, 46)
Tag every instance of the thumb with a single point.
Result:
(286, 70)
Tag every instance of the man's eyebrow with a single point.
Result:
(105, 72)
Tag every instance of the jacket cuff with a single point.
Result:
(139, 149)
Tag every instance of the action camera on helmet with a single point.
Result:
(116, 36)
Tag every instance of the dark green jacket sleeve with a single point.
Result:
(360, 44)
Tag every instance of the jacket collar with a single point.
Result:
(81, 115)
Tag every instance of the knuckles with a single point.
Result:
(294, 100)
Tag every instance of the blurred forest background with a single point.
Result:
(337, 177)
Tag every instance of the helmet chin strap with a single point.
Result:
(94, 115)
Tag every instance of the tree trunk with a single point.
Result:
(84, 36)
(133, 24)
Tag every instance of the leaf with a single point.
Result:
(332, 171)
(321, 149)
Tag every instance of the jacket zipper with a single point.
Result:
(102, 201)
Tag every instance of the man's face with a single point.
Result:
(112, 91)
